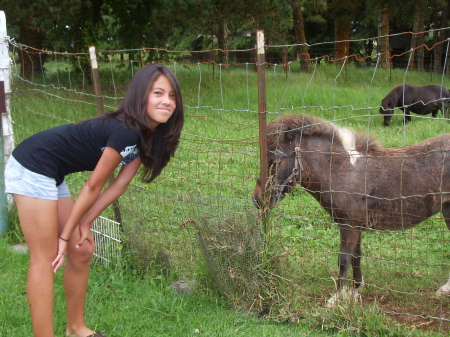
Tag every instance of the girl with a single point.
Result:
(144, 130)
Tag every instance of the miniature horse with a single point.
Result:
(358, 182)
(424, 100)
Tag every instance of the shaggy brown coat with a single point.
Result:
(357, 181)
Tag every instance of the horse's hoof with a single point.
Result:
(345, 295)
(442, 292)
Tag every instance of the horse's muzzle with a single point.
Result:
(256, 202)
(274, 198)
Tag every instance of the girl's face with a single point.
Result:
(161, 102)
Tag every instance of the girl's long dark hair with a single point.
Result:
(157, 146)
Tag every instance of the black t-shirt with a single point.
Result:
(72, 148)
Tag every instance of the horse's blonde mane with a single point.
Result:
(306, 125)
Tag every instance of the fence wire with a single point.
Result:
(199, 211)
(107, 236)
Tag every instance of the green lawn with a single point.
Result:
(122, 303)
(207, 186)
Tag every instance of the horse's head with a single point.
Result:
(298, 147)
(285, 168)
(388, 104)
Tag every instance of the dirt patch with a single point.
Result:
(422, 311)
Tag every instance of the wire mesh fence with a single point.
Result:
(199, 212)
(108, 242)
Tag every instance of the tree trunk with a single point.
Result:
(222, 41)
(29, 59)
(383, 41)
(439, 37)
(342, 30)
(418, 39)
(299, 28)
(368, 48)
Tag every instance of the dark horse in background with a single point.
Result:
(358, 182)
(420, 100)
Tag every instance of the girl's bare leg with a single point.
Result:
(38, 220)
(76, 274)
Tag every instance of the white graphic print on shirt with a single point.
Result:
(128, 154)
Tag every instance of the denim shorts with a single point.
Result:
(19, 180)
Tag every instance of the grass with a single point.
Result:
(212, 177)
(122, 303)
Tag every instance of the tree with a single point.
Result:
(418, 38)
(31, 22)
(30, 61)
(51, 18)
(344, 13)
(220, 17)
(440, 17)
(74, 25)
(299, 29)
(383, 32)
(136, 23)
(342, 32)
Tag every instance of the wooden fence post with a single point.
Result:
(262, 116)
(96, 81)
(101, 109)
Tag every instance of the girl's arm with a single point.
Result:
(89, 194)
(108, 196)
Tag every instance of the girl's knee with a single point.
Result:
(83, 253)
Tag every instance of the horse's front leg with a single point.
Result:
(407, 115)
(357, 272)
(350, 254)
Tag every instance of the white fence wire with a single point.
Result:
(107, 240)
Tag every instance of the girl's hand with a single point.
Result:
(85, 234)
(62, 252)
